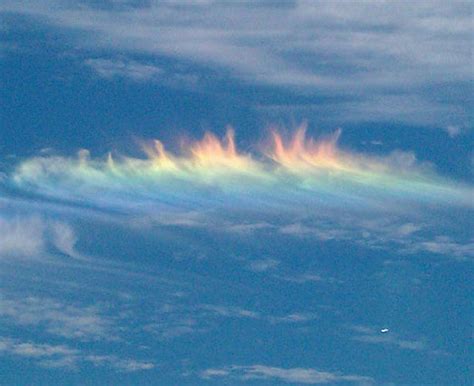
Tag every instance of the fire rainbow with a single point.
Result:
(212, 173)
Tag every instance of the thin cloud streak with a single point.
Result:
(290, 375)
(67, 358)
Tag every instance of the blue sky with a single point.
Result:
(204, 266)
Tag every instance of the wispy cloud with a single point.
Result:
(34, 350)
(22, 236)
(297, 317)
(306, 277)
(119, 68)
(58, 318)
(371, 335)
(36, 237)
(387, 56)
(263, 265)
(64, 239)
(445, 245)
(174, 327)
(226, 311)
(453, 131)
(142, 72)
(321, 233)
(65, 357)
(180, 321)
(290, 375)
(408, 108)
(385, 232)
(230, 311)
(125, 365)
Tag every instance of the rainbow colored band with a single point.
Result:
(212, 173)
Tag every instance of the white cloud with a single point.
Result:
(172, 321)
(386, 55)
(22, 236)
(445, 245)
(108, 68)
(45, 355)
(29, 349)
(291, 375)
(410, 108)
(407, 229)
(209, 373)
(324, 234)
(263, 265)
(231, 311)
(241, 313)
(64, 238)
(374, 336)
(247, 228)
(61, 356)
(453, 131)
(126, 365)
(141, 72)
(171, 329)
(293, 318)
(390, 340)
(306, 277)
(32, 236)
(385, 232)
(57, 318)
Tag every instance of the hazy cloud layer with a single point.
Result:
(383, 57)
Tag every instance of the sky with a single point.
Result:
(236, 192)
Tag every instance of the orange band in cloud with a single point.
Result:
(212, 169)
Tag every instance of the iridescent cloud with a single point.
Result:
(298, 174)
